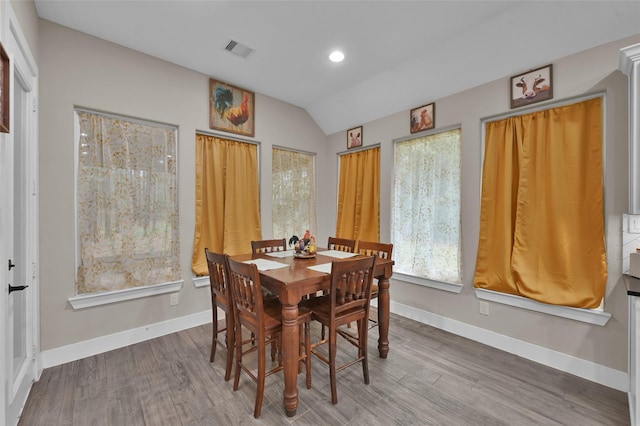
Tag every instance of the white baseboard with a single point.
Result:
(601, 374)
(86, 348)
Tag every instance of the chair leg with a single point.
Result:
(231, 338)
(332, 364)
(301, 350)
(214, 338)
(274, 350)
(261, 377)
(307, 350)
(238, 333)
(363, 331)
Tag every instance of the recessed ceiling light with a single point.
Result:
(336, 56)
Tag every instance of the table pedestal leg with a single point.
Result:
(290, 351)
(384, 310)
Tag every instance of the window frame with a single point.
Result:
(86, 300)
(596, 316)
(414, 279)
(312, 227)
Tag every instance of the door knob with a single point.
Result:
(17, 288)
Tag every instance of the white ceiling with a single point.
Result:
(399, 55)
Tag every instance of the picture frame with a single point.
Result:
(422, 118)
(231, 108)
(532, 86)
(354, 137)
(5, 90)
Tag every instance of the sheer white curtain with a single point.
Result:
(426, 207)
(127, 204)
(294, 193)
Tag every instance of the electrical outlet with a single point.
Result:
(634, 223)
(484, 308)
(174, 299)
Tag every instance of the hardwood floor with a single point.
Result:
(431, 377)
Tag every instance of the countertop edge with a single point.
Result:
(633, 285)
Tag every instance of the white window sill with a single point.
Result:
(450, 287)
(201, 281)
(103, 298)
(591, 316)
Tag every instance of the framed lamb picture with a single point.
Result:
(422, 118)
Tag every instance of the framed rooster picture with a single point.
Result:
(231, 109)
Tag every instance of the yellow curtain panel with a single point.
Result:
(542, 217)
(227, 198)
(359, 196)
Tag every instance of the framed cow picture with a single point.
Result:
(531, 87)
(354, 137)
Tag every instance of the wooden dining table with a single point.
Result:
(293, 282)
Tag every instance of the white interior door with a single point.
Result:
(18, 229)
(20, 354)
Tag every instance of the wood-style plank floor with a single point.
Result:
(430, 377)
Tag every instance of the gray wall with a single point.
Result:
(79, 70)
(25, 11)
(591, 71)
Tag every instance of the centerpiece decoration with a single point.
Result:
(305, 247)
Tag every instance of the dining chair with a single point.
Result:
(348, 301)
(381, 250)
(221, 298)
(268, 246)
(341, 244)
(263, 318)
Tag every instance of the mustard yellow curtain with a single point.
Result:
(359, 196)
(227, 198)
(542, 217)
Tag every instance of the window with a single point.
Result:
(426, 207)
(227, 198)
(359, 195)
(542, 204)
(127, 203)
(294, 193)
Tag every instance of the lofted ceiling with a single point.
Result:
(399, 54)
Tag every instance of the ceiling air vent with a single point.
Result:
(239, 49)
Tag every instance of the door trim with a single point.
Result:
(24, 70)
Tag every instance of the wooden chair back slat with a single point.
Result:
(268, 246)
(244, 280)
(381, 250)
(351, 283)
(341, 244)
